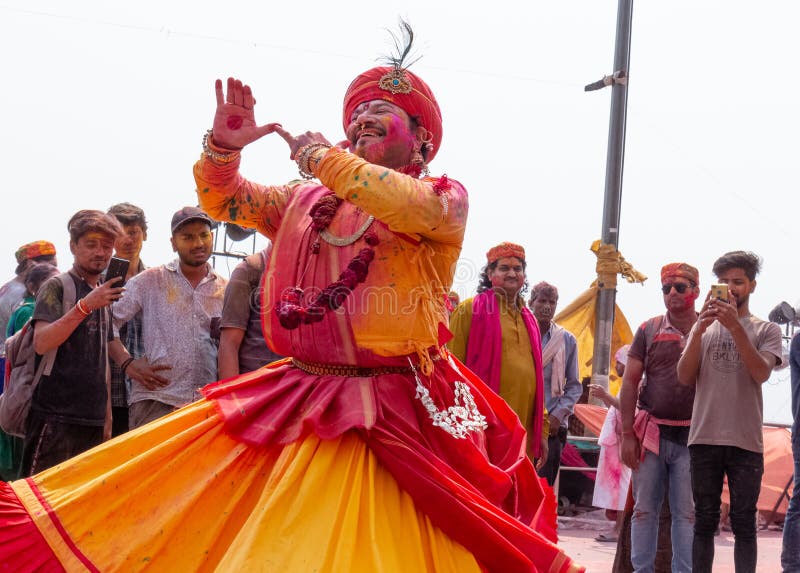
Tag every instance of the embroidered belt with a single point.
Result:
(352, 371)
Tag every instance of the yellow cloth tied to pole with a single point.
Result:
(610, 263)
(578, 317)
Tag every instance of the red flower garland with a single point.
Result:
(290, 309)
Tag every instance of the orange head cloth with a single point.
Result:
(34, 249)
(418, 102)
(681, 270)
(504, 250)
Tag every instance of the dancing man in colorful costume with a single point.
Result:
(370, 450)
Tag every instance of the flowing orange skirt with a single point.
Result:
(184, 496)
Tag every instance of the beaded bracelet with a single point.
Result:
(304, 156)
(216, 155)
(81, 308)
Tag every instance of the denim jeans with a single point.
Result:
(657, 475)
(790, 556)
(744, 469)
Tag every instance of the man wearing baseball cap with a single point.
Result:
(178, 302)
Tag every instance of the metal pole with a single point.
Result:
(606, 294)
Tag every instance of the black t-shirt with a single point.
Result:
(75, 392)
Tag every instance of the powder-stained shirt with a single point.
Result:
(75, 392)
(660, 393)
(176, 329)
(728, 405)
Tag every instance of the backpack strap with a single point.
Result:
(67, 302)
(651, 328)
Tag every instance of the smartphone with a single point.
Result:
(117, 268)
(720, 292)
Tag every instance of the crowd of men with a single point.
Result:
(127, 355)
(690, 402)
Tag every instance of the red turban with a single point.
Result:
(504, 250)
(418, 103)
(681, 270)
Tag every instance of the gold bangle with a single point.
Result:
(216, 155)
(81, 308)
(303, 157)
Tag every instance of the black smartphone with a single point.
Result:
(117, 268)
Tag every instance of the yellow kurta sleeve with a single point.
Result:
(405, 204)
(460, 322)
(227, 196)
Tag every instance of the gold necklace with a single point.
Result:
(337, 241)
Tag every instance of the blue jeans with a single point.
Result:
(657, 475)
(790, 556)
(744, 469)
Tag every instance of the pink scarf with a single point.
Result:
(484, 352)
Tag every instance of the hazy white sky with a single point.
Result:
(106, 102)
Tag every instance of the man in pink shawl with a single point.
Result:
(498, 338)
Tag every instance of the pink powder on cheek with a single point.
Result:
(690, 298)
(397, 131)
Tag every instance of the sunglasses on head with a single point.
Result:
(680, 287)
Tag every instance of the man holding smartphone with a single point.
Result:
(70, 408)
(729, 355)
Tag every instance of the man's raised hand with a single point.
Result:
(234, 121)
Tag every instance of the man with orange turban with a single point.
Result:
(655, 422)
(497, 337)
(371, 449)
(12, 292)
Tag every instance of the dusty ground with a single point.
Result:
(576, 538)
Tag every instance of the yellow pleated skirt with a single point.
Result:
(180, 495)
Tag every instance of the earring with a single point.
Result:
(427, 144)
(419, 162)
(428, 139)
(416, 158)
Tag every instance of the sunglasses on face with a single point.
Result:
(680, 287)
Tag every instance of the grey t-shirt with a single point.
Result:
(728, 405)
